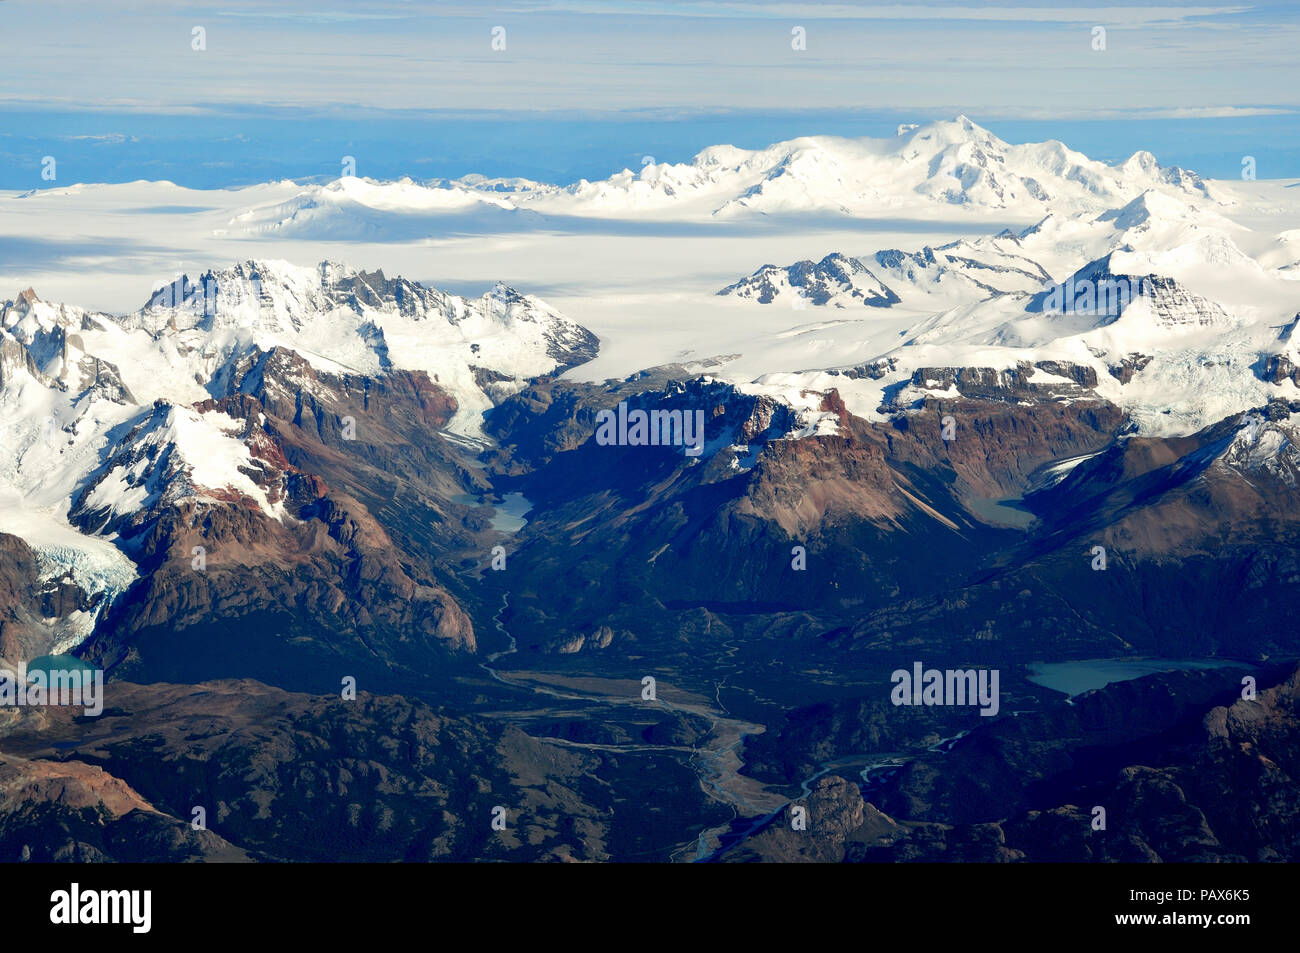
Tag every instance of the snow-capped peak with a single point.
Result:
(921, 170)
(1265, 442)
(836, 280)
(175, 454)
(106, 418)
(344, 320)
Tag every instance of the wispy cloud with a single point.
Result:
(313, 15)
(1217, 112)
(1128, 16)
(1032, 60)
(112, 138)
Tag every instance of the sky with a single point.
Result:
(565, 89)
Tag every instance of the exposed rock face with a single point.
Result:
(1279, 368)
(1283, 366)
(73, 785)
(1201, 527)
(835, 280)
(47, 347)
(1197, 529)
(1200, 475)
(1129, 366)
(293, 297)
(983, 268)
(1058, 379)
(358, 434)
(875, 370)
(21, 627)
(14, 357)
(1096, 289)
(998, 445)
(156, 467)
(1174, 306)
(542, 420)
(601, 638)
(69, 811)
(834, 813)
(42, 828)
(33, 604)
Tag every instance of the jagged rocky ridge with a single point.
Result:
(221, 452)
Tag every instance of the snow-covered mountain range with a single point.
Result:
(1157, 296)
(939, 168)
(103, 417)
(1171, 299)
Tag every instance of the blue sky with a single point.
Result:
(285, 89)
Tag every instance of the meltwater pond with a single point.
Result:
(1002, 512)
(60, 663)
(510, 513)
(1074, 678)
(508, 516)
